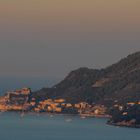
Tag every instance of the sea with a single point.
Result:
(14, 126)
(34, 126)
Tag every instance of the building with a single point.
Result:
(131, 103)
(59, 100)
(20, 96)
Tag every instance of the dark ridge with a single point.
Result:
(120, 81)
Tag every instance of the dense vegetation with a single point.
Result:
(120, 81)
(133, 114)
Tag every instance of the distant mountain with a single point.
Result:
(120, 81)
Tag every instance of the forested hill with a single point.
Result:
(120, 81)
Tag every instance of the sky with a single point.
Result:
(49, 38)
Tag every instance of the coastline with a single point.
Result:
(64, 114)
(120, 124)
(82, 116)
(96, 116)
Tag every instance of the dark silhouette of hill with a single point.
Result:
(120, 81)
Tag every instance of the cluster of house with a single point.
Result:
(125, 107)
(60, 106)
(15, 100)
(51, 105)
(20, 100)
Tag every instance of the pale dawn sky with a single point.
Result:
(52, 37)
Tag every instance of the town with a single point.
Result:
(121, 114)
(22, 100)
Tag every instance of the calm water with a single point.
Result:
(45, 127)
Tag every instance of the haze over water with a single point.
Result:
(35, 83)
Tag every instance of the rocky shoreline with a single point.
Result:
(122, 124)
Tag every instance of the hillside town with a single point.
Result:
(22, 100)
(126, 114)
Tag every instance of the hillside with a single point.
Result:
(120, 81)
